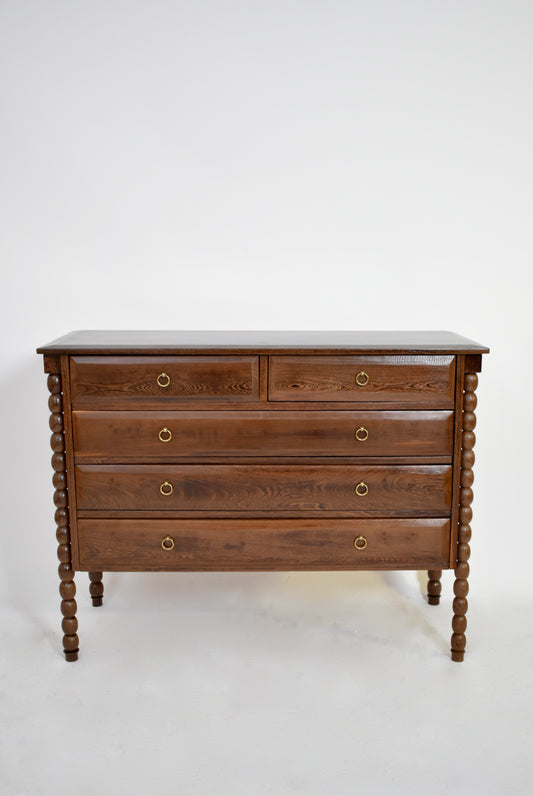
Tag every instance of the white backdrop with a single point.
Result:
(262, 165)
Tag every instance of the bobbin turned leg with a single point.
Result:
(434, 586)
(67, 587)
(462, 569)
(96, 588)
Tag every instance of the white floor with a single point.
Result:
(278, 683)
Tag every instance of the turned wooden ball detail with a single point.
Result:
(67, 587)
(466, 496)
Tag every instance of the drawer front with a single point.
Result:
(133, 545)
(428, 379)
(114, 436)
(392, 489)
(167, 379)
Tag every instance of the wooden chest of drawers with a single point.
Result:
(262, 451)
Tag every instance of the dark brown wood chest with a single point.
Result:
(262, 451)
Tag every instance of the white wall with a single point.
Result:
(281, 164)
(253, 164)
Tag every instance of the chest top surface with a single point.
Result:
(185, 341)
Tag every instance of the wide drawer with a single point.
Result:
(223, 544)
(373, 489)
(428, 379)
(108, 436)
(138, 379)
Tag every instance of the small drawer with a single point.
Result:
(427, 379)
(224, 544)
(126, 380)
(108, 436)
(369, 490)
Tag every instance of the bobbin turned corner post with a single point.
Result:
(462, 569)
(67, 587)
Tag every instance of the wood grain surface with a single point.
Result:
(113, 436)
(263, 545)
(152, 342)
(395, 489)
(362, 378)
(135, 379)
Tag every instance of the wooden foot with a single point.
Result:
(458, 656)
(67, 587)
(96, 588)
(434, 586)
(462, 569)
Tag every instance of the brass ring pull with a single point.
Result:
(361, 379)
(360, 543)
(166, 488)
(165, 435)
(163, 380)
(168, 543)
(361, 434)
(361, 489)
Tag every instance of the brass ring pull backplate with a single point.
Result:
(166, 488)
(361, 489)
(361, 379)
(165, 435)
(361, 434)
(163, 380)
(168, 543)
(360, 543)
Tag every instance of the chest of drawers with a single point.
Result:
(182, 451)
